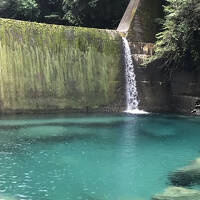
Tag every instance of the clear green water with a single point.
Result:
(93, 157)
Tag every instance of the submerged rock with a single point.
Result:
(186, 176)
(196, 110)
(2, 197)
(178, 193)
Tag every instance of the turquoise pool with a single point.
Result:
(93, 157)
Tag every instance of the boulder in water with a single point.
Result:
(178, 193)
(2, 197)
(186, 176)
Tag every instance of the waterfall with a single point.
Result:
(131, 89)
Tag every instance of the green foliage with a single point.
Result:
(94, 13)
(69, 12)
(19, 9)
(27, 9)
(4, 4)
(74, 11)
(51, 11)
(178, 45)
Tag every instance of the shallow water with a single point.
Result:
(93, 157)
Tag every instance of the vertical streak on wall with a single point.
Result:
(53, 68)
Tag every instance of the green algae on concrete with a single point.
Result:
(144, 25)
(56, 68)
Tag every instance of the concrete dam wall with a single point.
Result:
(48, 68)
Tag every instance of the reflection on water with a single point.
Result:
(93, 157)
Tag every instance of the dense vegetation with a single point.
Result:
(178, 45)
(90, 13)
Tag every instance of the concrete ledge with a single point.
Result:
(128, 16)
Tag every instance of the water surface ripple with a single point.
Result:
(93, 157)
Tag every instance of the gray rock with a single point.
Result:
(196, 111)
(178, 193)
(186, 176)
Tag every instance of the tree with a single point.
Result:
(27, 9)
(94, 13)
(51, 11)
(178, 45)
(77, 11)
(19, 9)
(4, 4)
(89, 13)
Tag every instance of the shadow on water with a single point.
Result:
(13, 139)
(19, 143)
(154, 136)
(66, 124)
(60, 138)
(149, 126)
(167, 126)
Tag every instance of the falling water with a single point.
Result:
(131, 89)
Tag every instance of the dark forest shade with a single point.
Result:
(87, 13)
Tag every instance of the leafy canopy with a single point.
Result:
(94, 13)
(90, 13)
(19, 9)
(178, 45)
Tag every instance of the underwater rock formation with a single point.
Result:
(178, 193)
(187, 176)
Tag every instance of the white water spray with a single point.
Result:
(131, 89)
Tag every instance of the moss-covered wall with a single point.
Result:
(144, 24)
(53, 68)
